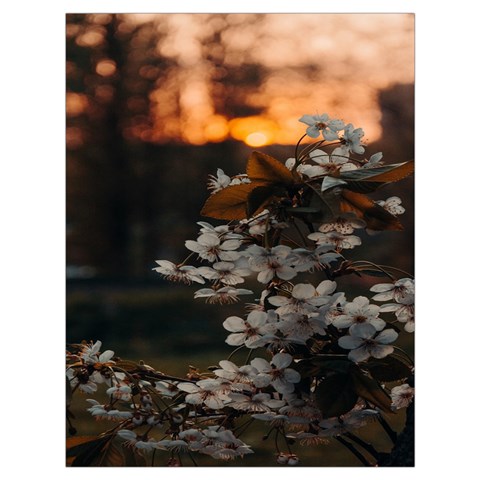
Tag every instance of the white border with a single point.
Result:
(32, 194)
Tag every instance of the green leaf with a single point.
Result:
(370, 390)
(388, 369)
(335, 395)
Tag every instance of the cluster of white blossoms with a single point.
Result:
(300, 336)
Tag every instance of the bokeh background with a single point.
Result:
(157, 102)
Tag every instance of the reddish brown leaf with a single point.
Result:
(398, 173)
(376, 217)
(263, 168)
(229, 203)
(260, 197)
(371, 391)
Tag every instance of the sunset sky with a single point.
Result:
(347, 58)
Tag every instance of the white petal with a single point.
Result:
(230, 245)
(292, 375)
(378, 323)
(348, 342)
(261, 364)
(382, 287)
(387, 336)
(342, 321)
(286, 273)
(236, 339)
(208, 240)
(234, 324)
(188, 387)
(193, 246)
(362, 330)
(278, 300)
(265, 276)
(214, 403)
(303, 291)
(257, 318)
(326, 287)
(228, 366)
(381, 351)
(383, 297)
(329, 135)
(282, 360)
(359, 355)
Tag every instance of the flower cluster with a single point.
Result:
(319, 358)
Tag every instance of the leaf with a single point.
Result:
(229, 203)
(335, 395)
(69, 393)
(370, 390)
(321, 364)
(86, 452)
(263, 168)
(261, 196)
(330, 182)
(384, 174)
(366, 180)
(112, 456)
(388, 369)
(133, 458)
(376, 217)
(127, 365)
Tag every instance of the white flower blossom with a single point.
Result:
(221, 295)
(404, 311)
(219, 182)
(363, 342)
(260, 402)
(302, 326)
(120, 392)
(225, 272)
(104, 412)
(304, 299)
(322, 124)
(327, 164)
(359, 311)
(207, 392)
(241, 378)
(348, 422)
(392, 205)
(90, 354)
(352, 139)
(402, 396)
(184, 273)
(335, 239)
(402, 290)
(374, 161)
(304, 260)
(211, 248)
(344, 224)
(276, 373)
(246, 331)
(271, 262)
(138, 441)
(166, 389)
